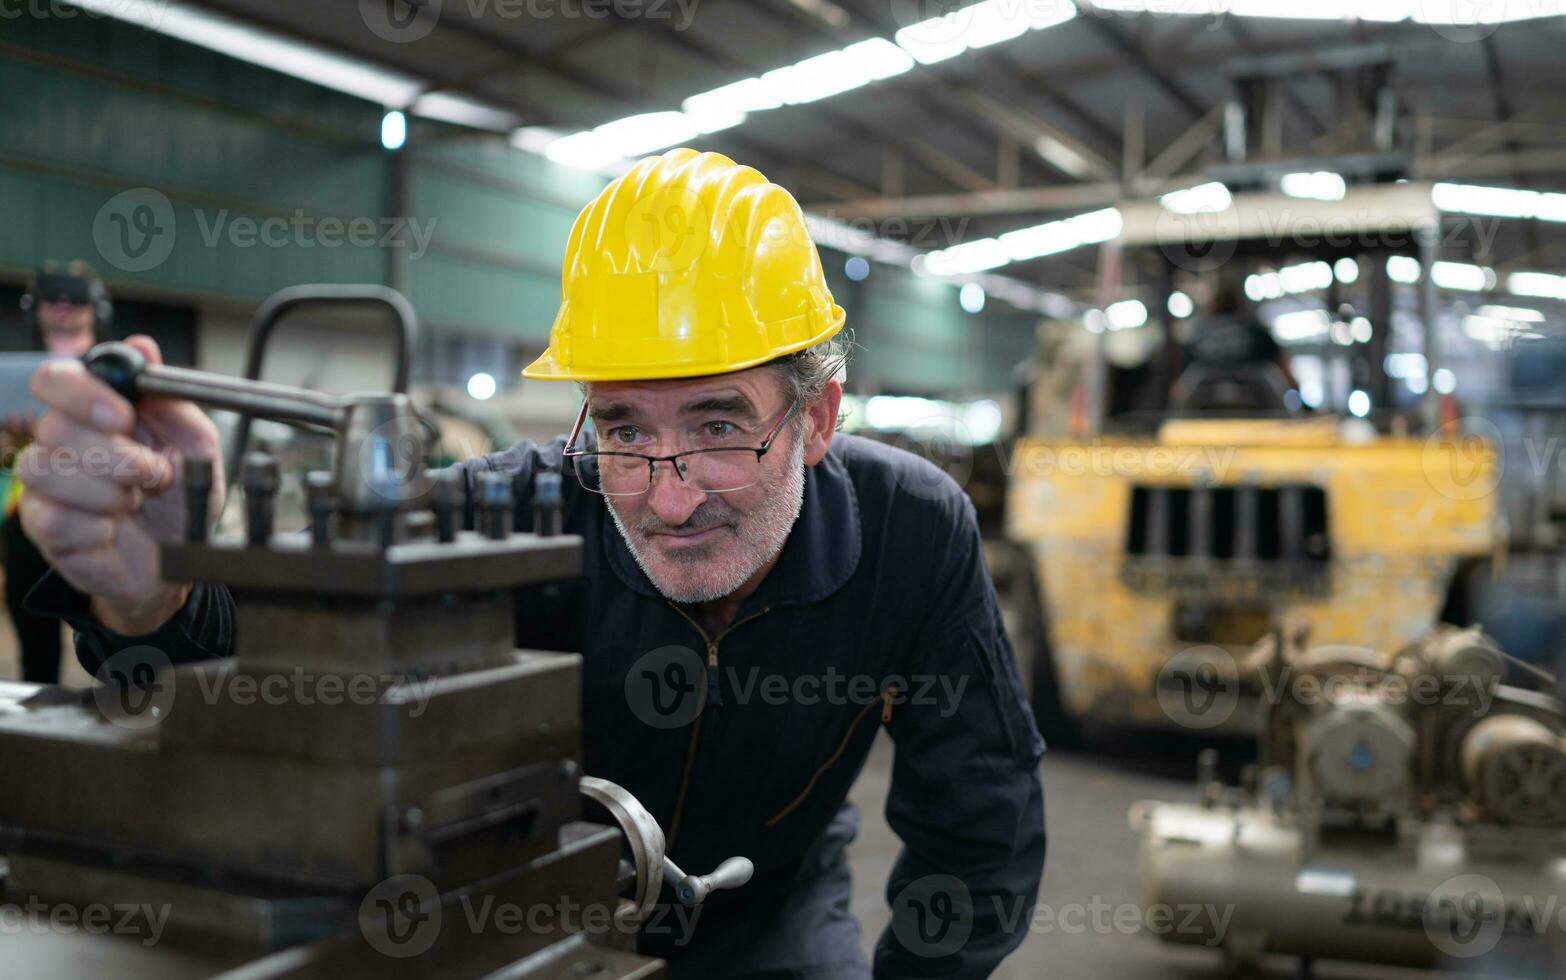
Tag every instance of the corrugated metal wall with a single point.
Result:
(185, 174)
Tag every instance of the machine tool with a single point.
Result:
(374, 784)
(1406, 807)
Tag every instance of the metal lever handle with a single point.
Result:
(692, 890)
(380, 444)
(123, 368)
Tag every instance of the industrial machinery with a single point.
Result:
(375, 784)
(1406, 807)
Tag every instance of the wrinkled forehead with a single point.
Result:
(757, 393)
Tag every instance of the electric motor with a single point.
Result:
(1514, 767)
(1359, 751)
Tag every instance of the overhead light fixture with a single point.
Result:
(584, 151)
(1209, 198)
(1462, 276)
(1544, 285)
(1180, 306)
(1061, 156)
(971, 297)
(1403, 268)
(1322, 185)
(980, 25)
(1300, 326)
(856, 268)
(462, 111)
(1126, 314)
(1305, 277)
(482, 386)
(1346, 269)
(394, 130)
(1032, 242)
(1498, 202)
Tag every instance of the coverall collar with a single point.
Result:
(819, 556)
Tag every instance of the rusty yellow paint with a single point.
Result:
(1402, 515)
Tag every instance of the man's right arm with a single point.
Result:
(103, 493)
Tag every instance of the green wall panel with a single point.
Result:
(93, 107)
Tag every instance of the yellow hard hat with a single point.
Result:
(688, 264)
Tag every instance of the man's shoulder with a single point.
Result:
(888, 478)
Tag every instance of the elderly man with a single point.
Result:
(759, 594)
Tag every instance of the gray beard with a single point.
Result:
(760, 536)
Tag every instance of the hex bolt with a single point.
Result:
(494, 493)
(260, 479)
(519, 513)
(546, 504)
(319, 497)
(196, 474)
(445, 499)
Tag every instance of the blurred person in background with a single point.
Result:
(1234, 363)
(67, 308)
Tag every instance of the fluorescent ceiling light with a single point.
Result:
(1461, 275)
(1403, 268)
(1517, 313)
(1208, 198)
(816, 78)
(980, 25)
(1301, 325)
(1305, 277)
(462, 111)
(394, 130)
(1319, 186)
(584, 151)
(879, 58)
(239, 40)
(1126, 314)
(1544, 285)
(1295, 9)
(1061, 156)
(934, 40)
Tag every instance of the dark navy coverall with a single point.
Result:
(878, 613)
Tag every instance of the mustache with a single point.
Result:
(711, 513)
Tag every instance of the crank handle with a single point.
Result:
(692, 890)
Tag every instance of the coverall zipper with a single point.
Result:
(887, 697)
(714, 699)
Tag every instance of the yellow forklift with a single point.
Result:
(1146, 552)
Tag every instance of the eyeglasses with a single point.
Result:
(710, 469)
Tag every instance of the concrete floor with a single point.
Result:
(1092, 860)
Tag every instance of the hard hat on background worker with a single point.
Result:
(687, 265)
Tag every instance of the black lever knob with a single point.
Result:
(118, 366)
(261, 479)
(197, 477)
